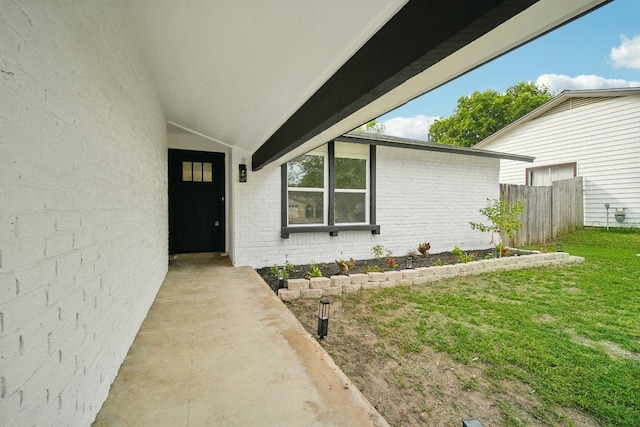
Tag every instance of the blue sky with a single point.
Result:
(599, 50)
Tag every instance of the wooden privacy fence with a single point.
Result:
(549, 212)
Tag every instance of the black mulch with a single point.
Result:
(361, 266)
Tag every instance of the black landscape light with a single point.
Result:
(323, 318)
(559, 247)
(409, 263)
(280, 277)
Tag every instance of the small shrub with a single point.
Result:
(503, 216)
(345, 266)
(378, 251)
(424, 248)
(314, 271)
(440, 262)
(286, 269)
(456, 251)
(372, 269)
(465, 257)
(391, 262)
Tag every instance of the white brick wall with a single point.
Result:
(83, 221)
(421, 196)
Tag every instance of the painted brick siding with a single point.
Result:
(421, 196)
(83, 196)
(602, 136)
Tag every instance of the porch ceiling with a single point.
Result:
(277, 78)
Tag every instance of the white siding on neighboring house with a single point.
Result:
(602, 135)
(421, 196)
(83, 206)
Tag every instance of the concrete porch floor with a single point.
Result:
(218, 348)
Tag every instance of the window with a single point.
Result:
(197, 172)
(351, 189)
(546, 175)
(330, 189)
(307, 185)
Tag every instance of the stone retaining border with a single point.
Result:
(335, 285)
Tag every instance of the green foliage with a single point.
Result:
(483, 113)
(314, 271)
(372, 269)
(371, 127)
(456, 251)
(286, 269)
(504, 218)
(465, 257)
(378, 251)
(424, 248)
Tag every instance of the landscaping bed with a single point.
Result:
(380, 264)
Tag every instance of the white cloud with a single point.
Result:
(409, 127)
(559, 82)
(627, 55)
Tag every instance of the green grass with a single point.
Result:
(570, 333)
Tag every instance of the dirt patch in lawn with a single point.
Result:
(425, 387)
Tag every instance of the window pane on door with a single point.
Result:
(350, 207)
(186, 171)
(306, 207)
(197, 171)
(207, 172)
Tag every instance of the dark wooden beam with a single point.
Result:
(421, 34)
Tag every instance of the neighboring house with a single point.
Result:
(590, 133)
(96, 189)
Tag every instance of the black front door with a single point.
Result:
(196, 202)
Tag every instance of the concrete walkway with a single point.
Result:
(218, 348)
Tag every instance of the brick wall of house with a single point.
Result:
(83, 206)
(421, 196)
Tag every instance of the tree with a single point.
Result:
(483, 113)
(504, 218)
(371, 127)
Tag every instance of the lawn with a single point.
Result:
(549, 346)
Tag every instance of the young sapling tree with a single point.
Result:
(503, 216)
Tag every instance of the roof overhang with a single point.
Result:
(412, 144)
(277, 79)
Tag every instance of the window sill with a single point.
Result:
(331, 229)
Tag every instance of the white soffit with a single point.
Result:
(236, 70)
